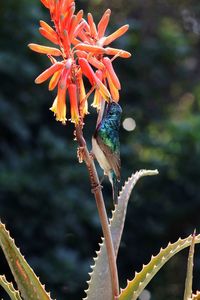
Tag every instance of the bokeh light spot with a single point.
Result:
(129, 124)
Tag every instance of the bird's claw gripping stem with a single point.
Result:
(96, 187)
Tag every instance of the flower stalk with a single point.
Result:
(96, 189)
(81, 50)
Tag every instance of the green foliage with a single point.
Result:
(9, 288)
(27, 282)
(190, 266)
(100, 275)
(141, 279)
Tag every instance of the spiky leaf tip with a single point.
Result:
(28, 283)
(141, 279)
(190, 266)
(100, 275)
(9, 288)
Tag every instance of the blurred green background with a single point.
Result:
(45, 199)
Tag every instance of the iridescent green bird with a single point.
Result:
(106, 145)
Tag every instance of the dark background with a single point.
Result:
(45, 199)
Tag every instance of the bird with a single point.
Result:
(106, 145)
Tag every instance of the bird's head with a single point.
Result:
(114, 110)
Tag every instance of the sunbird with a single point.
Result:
(106, 145)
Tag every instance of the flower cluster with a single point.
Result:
(82, 50)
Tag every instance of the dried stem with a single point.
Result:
(96, 189)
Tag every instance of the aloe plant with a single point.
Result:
(81, 51)
(27, 282)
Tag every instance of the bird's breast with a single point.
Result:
(100, 156)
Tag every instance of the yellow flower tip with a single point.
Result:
(108, 64)
(103, 90)
(74, 119)
(72, 89)
(61, 117)
(53, 108)
(83, 108)
(97, 106)
(54, 80)
(63, 121)
(113, 90)
(86, 112)
(97, 100)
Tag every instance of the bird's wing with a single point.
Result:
(110, 153)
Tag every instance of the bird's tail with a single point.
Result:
(115, 187)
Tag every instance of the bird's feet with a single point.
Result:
(92, 156)
(80, 154)
(96, 188)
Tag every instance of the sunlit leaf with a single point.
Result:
(141, 279)
(189, 275)
(9, 288)
(99, 285)
(27, 282)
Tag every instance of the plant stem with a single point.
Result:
(96, 189)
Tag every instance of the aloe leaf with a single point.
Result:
(141, 279)
(9, 288)
(99, 285)
(27, 282)
(189, 275)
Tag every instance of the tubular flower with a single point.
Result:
(80, 51)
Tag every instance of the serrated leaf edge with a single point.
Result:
(124, 195)
(22, 258)
(9, 288)
(189, 273)
(135, 287)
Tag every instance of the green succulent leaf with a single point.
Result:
(189, 275)
(9, 288)
(100, 275)
(27, 282)
(141, 279)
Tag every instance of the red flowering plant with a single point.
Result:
(82, 52)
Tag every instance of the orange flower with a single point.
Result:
(73, 103)
(97, 96)
(80, 51)
(109, 67)
(83, 106)
(94, 42)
